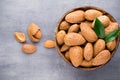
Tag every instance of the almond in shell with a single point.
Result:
(88, 33)
(73, 39)
(74, 28)
(104, 20)
(34, 32)
(113, 26)
(91, 14)
(64, 25)
(88, 52)
(60, 37)
(111, 45)
(64, 48)
(99, 46)
(89, 23)
(102, 58)
(86, 63)
(76, 55)
(67, 55)
(75, 16)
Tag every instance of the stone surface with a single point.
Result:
(46, 64)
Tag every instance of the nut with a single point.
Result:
(60, 37)
(99, 46)
(89, 23)
(111, 45)
(38, 35)
(67, 55)
(91, 14)
(74, 28)
(104, 20)
(86, 63)
(113, 26)
(76, 55)
(19, 36)
(73, 39)
(102, 58)
(88, 52)
(75, 17)
(49, 44)
(34, 32)
(88, 33)
(29, 48)
(64, 48)
(64, 25)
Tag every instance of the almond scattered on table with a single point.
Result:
(34, 32)
(49, 43)
(19, 36)
(29, 48)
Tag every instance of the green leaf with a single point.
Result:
(111, 36)
(99, 28)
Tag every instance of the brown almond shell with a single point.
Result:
(32, 30)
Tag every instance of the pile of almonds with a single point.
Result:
(35, 35)
(78, 42)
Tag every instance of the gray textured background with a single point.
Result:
(46, 64)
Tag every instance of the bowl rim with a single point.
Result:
(86, 8)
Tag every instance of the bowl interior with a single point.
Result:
(84, 8)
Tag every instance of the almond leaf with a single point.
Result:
(99, 28)
(111, 36)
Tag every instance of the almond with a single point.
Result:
(38, 35)
(19, 36)
(64, 48)
(88, 33)
(89, 23)
(74, 28)
(88, 52)
(67, 55)
(34, 32)
(91, 14)
(113, 26)
(49, 44)
(64, 25)
(111, 45)
(102, 58)
(99, 46)
(104, 20)
(86, 63)
(73, 39)
(76, 55)
(28, 48)
(75, 16)
(60, 37)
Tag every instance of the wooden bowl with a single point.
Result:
(84, 9)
